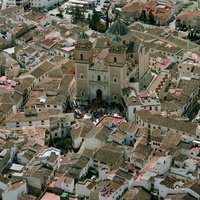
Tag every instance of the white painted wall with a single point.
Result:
(14, 194)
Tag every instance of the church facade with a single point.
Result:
(104, 75)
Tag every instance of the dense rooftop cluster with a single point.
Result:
(87, 115)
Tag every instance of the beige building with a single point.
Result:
(105, 74)
(189, 20)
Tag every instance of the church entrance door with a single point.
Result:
(99, 94)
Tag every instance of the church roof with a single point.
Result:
(83, 36)
(117, 39)
(118, 28)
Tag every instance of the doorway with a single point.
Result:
(99, 94)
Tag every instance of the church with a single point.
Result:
(104, 74)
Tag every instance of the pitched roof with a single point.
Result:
(100, 133)
(108, 154)
(136, 194)
(133, 7)
(186, 127)
(193, 185)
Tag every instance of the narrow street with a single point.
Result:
(194, 112)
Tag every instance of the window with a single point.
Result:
(115, 59)
(48, 106)
(82, 93)
(81, 75)
(115, 79)
(81, 56)
(98, 77)
(55, 106)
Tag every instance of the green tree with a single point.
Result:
(94, 20)
(63, 144)
(151, 18)
(78, 15)
(143, 16)
(96, 24)
(101, 27)
(61, 10)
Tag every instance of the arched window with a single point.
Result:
(81, 56)
(131, 55)
(98, 77)
(81, 75)
(114, 79)
(115, 59)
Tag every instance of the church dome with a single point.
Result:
(83, 36)
(118, 28)
(117, 39)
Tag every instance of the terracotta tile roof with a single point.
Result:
(195, 13)
(49, 42)
(137, 6)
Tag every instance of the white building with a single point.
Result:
(65, 183)
(85, 188)
(20, 3)
(14, 190)
(38, 4)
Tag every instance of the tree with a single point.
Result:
(143, 16)
(96, 24)
(63, 144)
(78, 15)
(151, 18)
(94, 20)
(61, 10)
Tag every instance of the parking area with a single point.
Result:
(100, 7)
